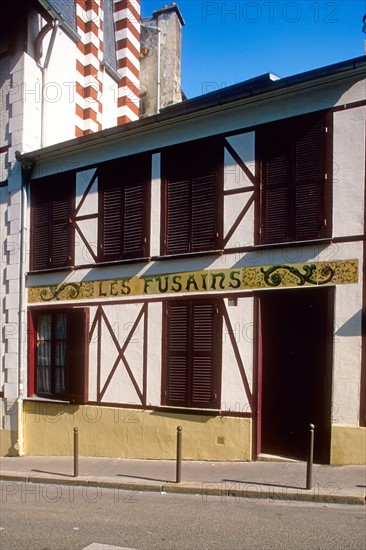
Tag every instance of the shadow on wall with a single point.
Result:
(353, 327)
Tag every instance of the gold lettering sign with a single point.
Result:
(225, 280)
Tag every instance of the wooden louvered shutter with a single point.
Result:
(203, 236)
(293, 173)
(77, 331)
(276, 186)
(192, 354)
(309, 182)
(191, 173)
(134, 221)
(40, 233)
(203, 378)
(52, 199)
(124, 220)
(178, 230)
(60, 232)
(111, 229)
(178, 353)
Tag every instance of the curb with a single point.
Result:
(206, 490)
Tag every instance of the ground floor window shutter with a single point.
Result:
(193, 353)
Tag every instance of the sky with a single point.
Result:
(225, 42)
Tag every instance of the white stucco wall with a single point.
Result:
(233, 395)
(59, 89)
(87, 205)
(109, 99)
(349, 172)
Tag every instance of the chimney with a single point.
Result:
(127, 27)
(160, 73)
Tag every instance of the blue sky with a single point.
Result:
(225, 42)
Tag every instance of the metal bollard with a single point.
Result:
(179, 454)
(76, 452)
(309, 466)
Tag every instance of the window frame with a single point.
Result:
(75, 317)
(216, 355)
(292, 185)
(175, 168)
(105, 171)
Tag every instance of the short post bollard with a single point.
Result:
(309, 466)
(76, 452)
(179, 454)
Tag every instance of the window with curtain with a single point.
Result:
(57, 353)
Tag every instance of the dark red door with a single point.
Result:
(294, 371)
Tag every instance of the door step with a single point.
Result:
(276, 458)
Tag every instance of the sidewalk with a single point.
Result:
(243, 480)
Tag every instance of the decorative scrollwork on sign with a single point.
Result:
(327, 274)
(271, 278)
(54, 292)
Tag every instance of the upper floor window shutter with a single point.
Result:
(123, 207)
(309, 181)
(292, 155)
(178, 223)
(52, 201)
(192, 180)
(204, 215)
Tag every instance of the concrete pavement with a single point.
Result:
(269, 480)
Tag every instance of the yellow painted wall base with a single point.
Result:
(348, 445)
(8, 440)
(126, 433)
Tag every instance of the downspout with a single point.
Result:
(27, 168)
(158, 86)
(43, 68)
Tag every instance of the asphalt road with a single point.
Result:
(50, 517)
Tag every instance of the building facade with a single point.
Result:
(67, 69)
(204, 267)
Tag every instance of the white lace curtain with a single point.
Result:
(51, 353)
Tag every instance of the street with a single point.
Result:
(62, 517)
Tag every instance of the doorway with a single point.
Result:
(294, 371)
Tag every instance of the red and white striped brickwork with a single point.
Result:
(89, 68)
(127, 26)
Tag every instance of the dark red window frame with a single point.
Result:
(124, 198)
(52, 234)
(192, 197)
(294, 157)
(192, 353)
(76, 354)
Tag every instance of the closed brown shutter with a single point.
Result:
(123, 205)
(178, 216)
(309, 181)
(293, 174)
(203, 357)
(76, 355)
(178, 353)
(52, 201)
(204, 213)
(193, 349)
(192, 181)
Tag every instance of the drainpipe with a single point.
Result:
(27, 168)
(158, 86)
(43, 68)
